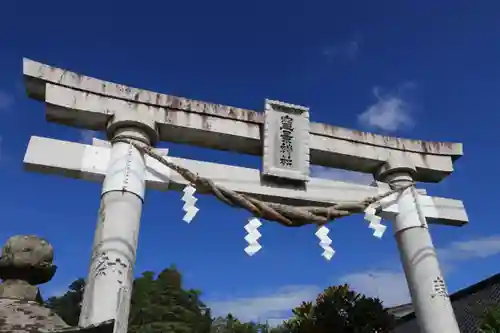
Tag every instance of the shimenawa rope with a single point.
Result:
(286, 215)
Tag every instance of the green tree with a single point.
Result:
(162, 305)
(491, 320)
(341, 310)
(141, 300)
(157, 305)
(68, 306)
(231, 324)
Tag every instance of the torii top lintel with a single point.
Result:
(223, 127)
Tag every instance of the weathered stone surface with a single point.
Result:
(22, 316)
(19, 289)
(25, 262)
(27, 258)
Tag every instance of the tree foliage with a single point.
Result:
(68, 306)
(230, 324)
(491, 320)
(161, 304)
(341, 310)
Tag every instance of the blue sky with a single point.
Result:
(420, 69)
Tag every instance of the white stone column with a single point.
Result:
(109, 282)
(427, 287)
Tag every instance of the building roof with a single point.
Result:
(453, 298)
(401, 310)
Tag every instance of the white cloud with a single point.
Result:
(390, 286)
(476, 248)
(274, 307)
(341, 175)
(348, 50)
(352, 49)
(6, 100)
(86, 136)
(274, 322)
(390, 112)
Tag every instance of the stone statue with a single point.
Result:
(26, 262)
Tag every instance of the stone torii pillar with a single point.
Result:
(116, 236)
(431, 303)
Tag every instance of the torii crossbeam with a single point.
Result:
(149, 117)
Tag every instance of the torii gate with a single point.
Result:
(145, 118)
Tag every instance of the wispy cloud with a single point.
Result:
(392, 111)
(341, 175)
(6, 100)
(274, 307)
(346, 51)
(475, 248)
(390, 285)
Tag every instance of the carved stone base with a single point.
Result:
(19, 289)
